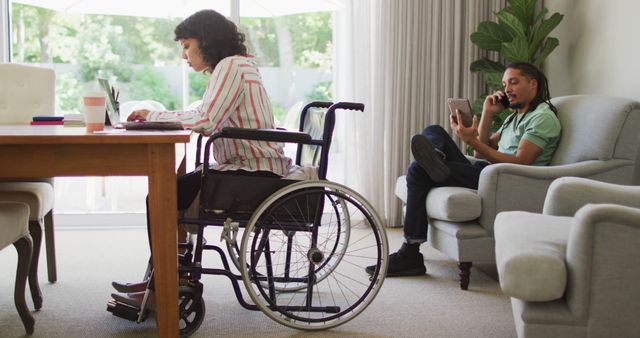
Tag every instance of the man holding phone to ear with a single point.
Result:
(528, 136)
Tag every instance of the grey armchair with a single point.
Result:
(28, 91)
(569, 271)
(599, 140)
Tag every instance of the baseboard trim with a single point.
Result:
(100, 220)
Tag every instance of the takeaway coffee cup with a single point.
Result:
(93, 106)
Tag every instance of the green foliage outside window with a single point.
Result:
(322, 92)
(128, 50)
(150, 84)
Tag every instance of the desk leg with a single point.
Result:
(163, 216)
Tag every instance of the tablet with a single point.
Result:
(465, 109)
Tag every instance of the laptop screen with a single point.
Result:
(112, 111)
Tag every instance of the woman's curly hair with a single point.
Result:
(217, 36)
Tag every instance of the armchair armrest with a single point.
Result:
(602, 243)
(568, 194)
(505, 186)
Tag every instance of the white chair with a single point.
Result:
(14, 229)
(28, 91)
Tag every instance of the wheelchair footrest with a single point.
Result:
(123, 310)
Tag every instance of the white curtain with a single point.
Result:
(402, 59)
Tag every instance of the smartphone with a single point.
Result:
(465, 109)
(504, 100)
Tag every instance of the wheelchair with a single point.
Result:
(300, 246)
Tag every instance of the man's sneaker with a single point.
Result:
(429, 158)
(403, 263)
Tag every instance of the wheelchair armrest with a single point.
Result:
(273, 135)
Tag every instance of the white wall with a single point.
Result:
(599, 50)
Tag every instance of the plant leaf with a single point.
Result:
(490, 36)
(478, 104)
(543, 13)
(541, 31)
(550, 44)
(524, 10)
(509, 20)
(516, 50)
(494, 80)
(486, 65)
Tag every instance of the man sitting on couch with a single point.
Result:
(528, 136)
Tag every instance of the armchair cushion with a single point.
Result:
(454, 204)
(530, 255)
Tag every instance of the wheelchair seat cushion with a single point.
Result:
(238, 195)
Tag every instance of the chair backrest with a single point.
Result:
(597, 128)
(26, 91)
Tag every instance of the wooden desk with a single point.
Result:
(47, 151)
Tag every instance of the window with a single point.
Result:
(97, 38)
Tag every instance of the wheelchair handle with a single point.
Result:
(348, 106)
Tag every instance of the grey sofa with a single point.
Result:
(570, 270)
(600, 140)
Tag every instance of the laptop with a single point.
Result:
(114, 114)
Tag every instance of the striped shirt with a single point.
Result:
(235, 97)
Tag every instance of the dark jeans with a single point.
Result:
(462, 174)
(188, 186)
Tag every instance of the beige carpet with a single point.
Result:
(88, 259)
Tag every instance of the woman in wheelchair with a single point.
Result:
(304, 244)
(235, 97)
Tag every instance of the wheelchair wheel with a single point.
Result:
(191, 310)
(316, 238)
(337, 234)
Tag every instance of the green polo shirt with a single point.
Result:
(541, 127)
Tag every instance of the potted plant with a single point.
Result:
(520, 35)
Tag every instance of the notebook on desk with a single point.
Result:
(114, 114)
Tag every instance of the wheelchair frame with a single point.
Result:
(294, 241)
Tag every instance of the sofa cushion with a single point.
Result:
(454, 204)
(530, 254)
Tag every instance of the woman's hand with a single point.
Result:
(138, 115)
(466, 134)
